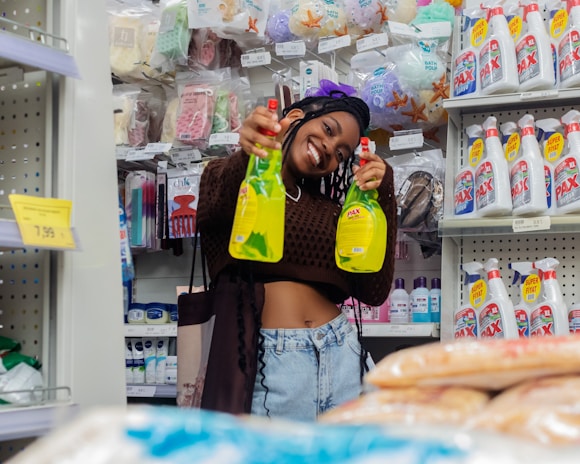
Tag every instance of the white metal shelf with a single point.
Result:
(151, 391)
(377, 329)
(151, 330)
(33, 421)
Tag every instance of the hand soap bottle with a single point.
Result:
(258, 228)
(361, 234)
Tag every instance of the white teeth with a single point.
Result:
(314, 153)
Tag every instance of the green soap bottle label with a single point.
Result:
(247, 206)
(356, 231)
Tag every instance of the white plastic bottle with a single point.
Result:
(492, 182)
(475, 290)
(497, 57)
(551, 139)
(529, 286)
(399, 308)
(465, 68)
(464, 193)
(534, 53)
(496, 317)
(435, 300)
(550, 316)
(568, 57)
(566, 172)
(574, 318)
(510, 141)
(419, 299)
(528, 184)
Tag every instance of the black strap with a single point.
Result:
(203, 262)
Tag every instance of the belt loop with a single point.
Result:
(279, 341)
(339, 329)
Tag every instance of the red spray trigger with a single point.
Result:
(364, 143)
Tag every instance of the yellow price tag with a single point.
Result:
(43, 222)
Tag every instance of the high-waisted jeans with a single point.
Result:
(308, 371)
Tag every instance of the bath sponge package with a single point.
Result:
(172, 43)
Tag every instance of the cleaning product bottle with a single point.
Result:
(497, 57)
(510, 141)
(475, 291)
(258, 228)
(496, 317)
(492, 182)
(419, 299)
(529, 285)
(568, 56)
(551, 139)
(435, 299)
(527, 179)
(464, 194)
(465, 78)
(574, 318)
(566, 178)
(361, 234)
(534, 52)
(550, 316)
(399, 309)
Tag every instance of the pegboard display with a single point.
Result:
(23, 162)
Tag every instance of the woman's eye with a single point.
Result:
(327, 129)
(340, 156)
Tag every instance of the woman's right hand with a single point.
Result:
(250, 134)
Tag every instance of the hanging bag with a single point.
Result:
(195, 324)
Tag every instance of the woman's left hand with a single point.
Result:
(370, 175)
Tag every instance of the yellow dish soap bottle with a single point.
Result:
(258, 228)
(361, 234)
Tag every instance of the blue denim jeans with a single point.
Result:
(308, 371)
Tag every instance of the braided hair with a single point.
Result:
(335, 184)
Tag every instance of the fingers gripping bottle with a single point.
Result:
(258, 228)
(361, 234)
(527, 180)
(496, 318)
(497, 57)
(551, 139)
(566, 179)
(529, 285)
(550, 316)
(475, 290)
(492, 182)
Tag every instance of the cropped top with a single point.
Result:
(309, 235)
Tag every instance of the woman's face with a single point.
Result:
(322, 144)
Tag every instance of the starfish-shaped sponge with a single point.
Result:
(441, 89)
(252, 25)
(312, 21)
(383, 12)
(341, 32)
(417, 113)
(399, 101)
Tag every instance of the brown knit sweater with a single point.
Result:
(309, 235)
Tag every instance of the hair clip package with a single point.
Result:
(182, 199)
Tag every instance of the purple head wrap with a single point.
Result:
(327, 88)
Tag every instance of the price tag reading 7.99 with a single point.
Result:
(43, 222)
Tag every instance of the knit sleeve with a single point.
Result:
(218, 190)
(373, 289)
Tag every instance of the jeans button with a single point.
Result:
(319, 336)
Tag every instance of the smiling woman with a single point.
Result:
(306, 357)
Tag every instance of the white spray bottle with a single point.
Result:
(464, 193)
(534, 52)
(465, 68)
(510, 141)
(528, 184)
(551, 139)
(496, 318)
(550, 316)
(497, 57)
(566, 172)
(475, 292)
(529, 285)
(568, 56)
(492, 182)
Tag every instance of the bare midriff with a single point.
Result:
(294, 305)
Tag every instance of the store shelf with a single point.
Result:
(152, 391)
(151, 330)
(376, 329)
(456, 107)
(33, 421)
(456, 227)
(10, 238)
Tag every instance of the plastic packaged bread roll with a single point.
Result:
(411, 405)
(545, 410)
(486, 364)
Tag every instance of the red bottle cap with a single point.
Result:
(364, 143)
(273, 107)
